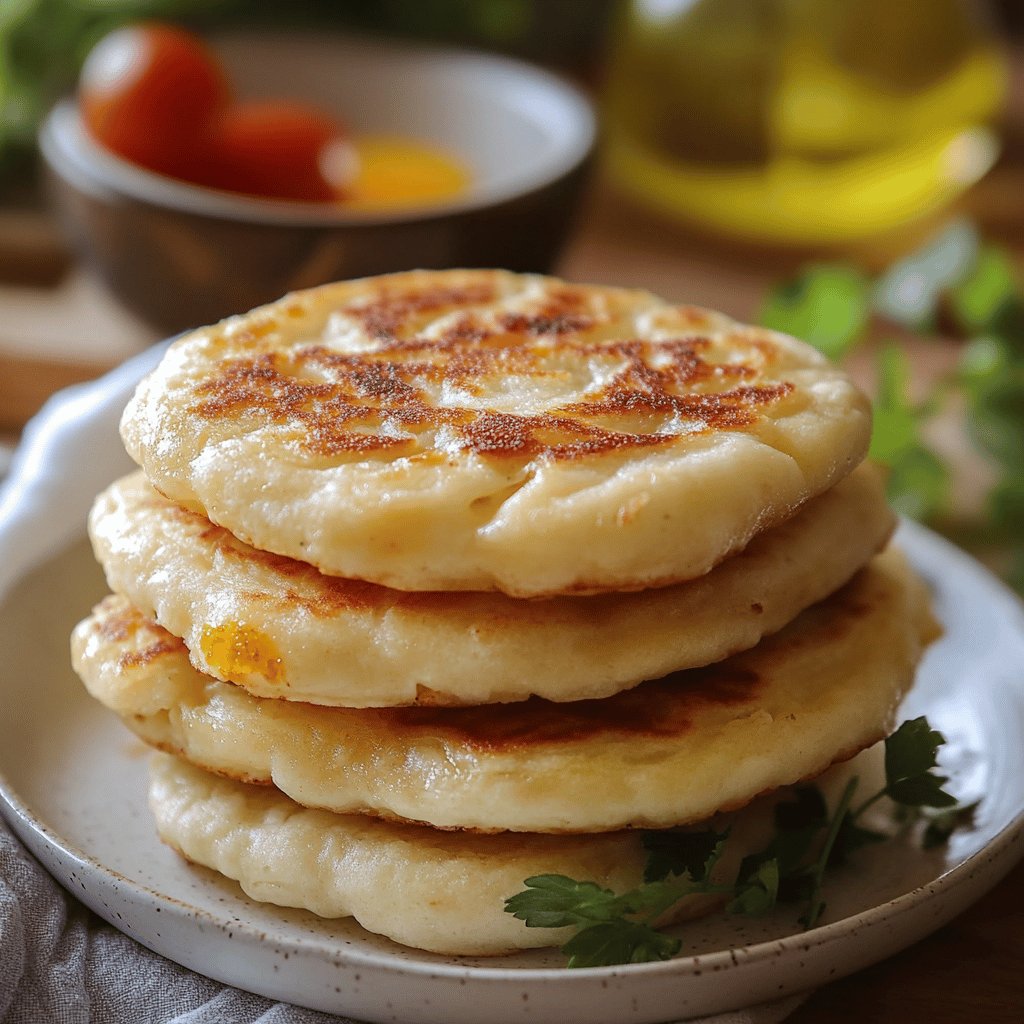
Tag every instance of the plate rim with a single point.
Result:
(13, 807)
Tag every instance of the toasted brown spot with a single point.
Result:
(380, 402)
(540, 323)
(694, 316)
(383, 317)
(118, 622)
(495, 433)
(663, 707)
(150, 653)
(115, 621)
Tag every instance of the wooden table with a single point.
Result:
(970, 970)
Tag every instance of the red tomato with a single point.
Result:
(282, 150)
(152, 93)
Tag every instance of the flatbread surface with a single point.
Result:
(483, 430)
(668, 752)
(280, 628)
(439, 891)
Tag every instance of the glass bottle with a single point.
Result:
(813, 122)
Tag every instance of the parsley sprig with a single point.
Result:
(620, 928)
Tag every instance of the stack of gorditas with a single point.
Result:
(434, 582)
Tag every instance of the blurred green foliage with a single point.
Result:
(43, 42)
(919, 484)
(827, 305)
(971, 289)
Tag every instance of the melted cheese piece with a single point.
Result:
(233, 649)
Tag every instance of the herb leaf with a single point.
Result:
(922, 791)
(978, 299)
(911, 750)
(910, 757)
(959, 283)
(918, 481)
(758, 892)
(619, 942)
(797, 823)
(556, 901)
(615, 929)
(678, 852)
(816, 904)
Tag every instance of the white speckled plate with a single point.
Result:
(73, 785)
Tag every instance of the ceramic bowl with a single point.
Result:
(181, 255)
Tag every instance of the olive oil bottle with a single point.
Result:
(812, 122)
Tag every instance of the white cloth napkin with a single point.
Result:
(59, 962)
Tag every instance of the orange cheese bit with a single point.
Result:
(236, 651)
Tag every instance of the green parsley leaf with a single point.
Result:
(758, 892)
(682, 852)
(912, 750)
(653, 898)
(827, 305)
(896, 424)
(942, 825)
(978, 299)
(921, 791)
(910, 756)
(816, 903)
(918, 482)
(619, 942)
(556, 901)
(953, 279)
(614, 929)
(798, 822)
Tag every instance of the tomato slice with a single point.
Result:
(283, 150)
(152, 93)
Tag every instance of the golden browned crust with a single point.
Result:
(481, 430)
(280, 628)
(670, 752)
(345, 403)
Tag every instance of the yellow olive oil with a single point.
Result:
(802, 121)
